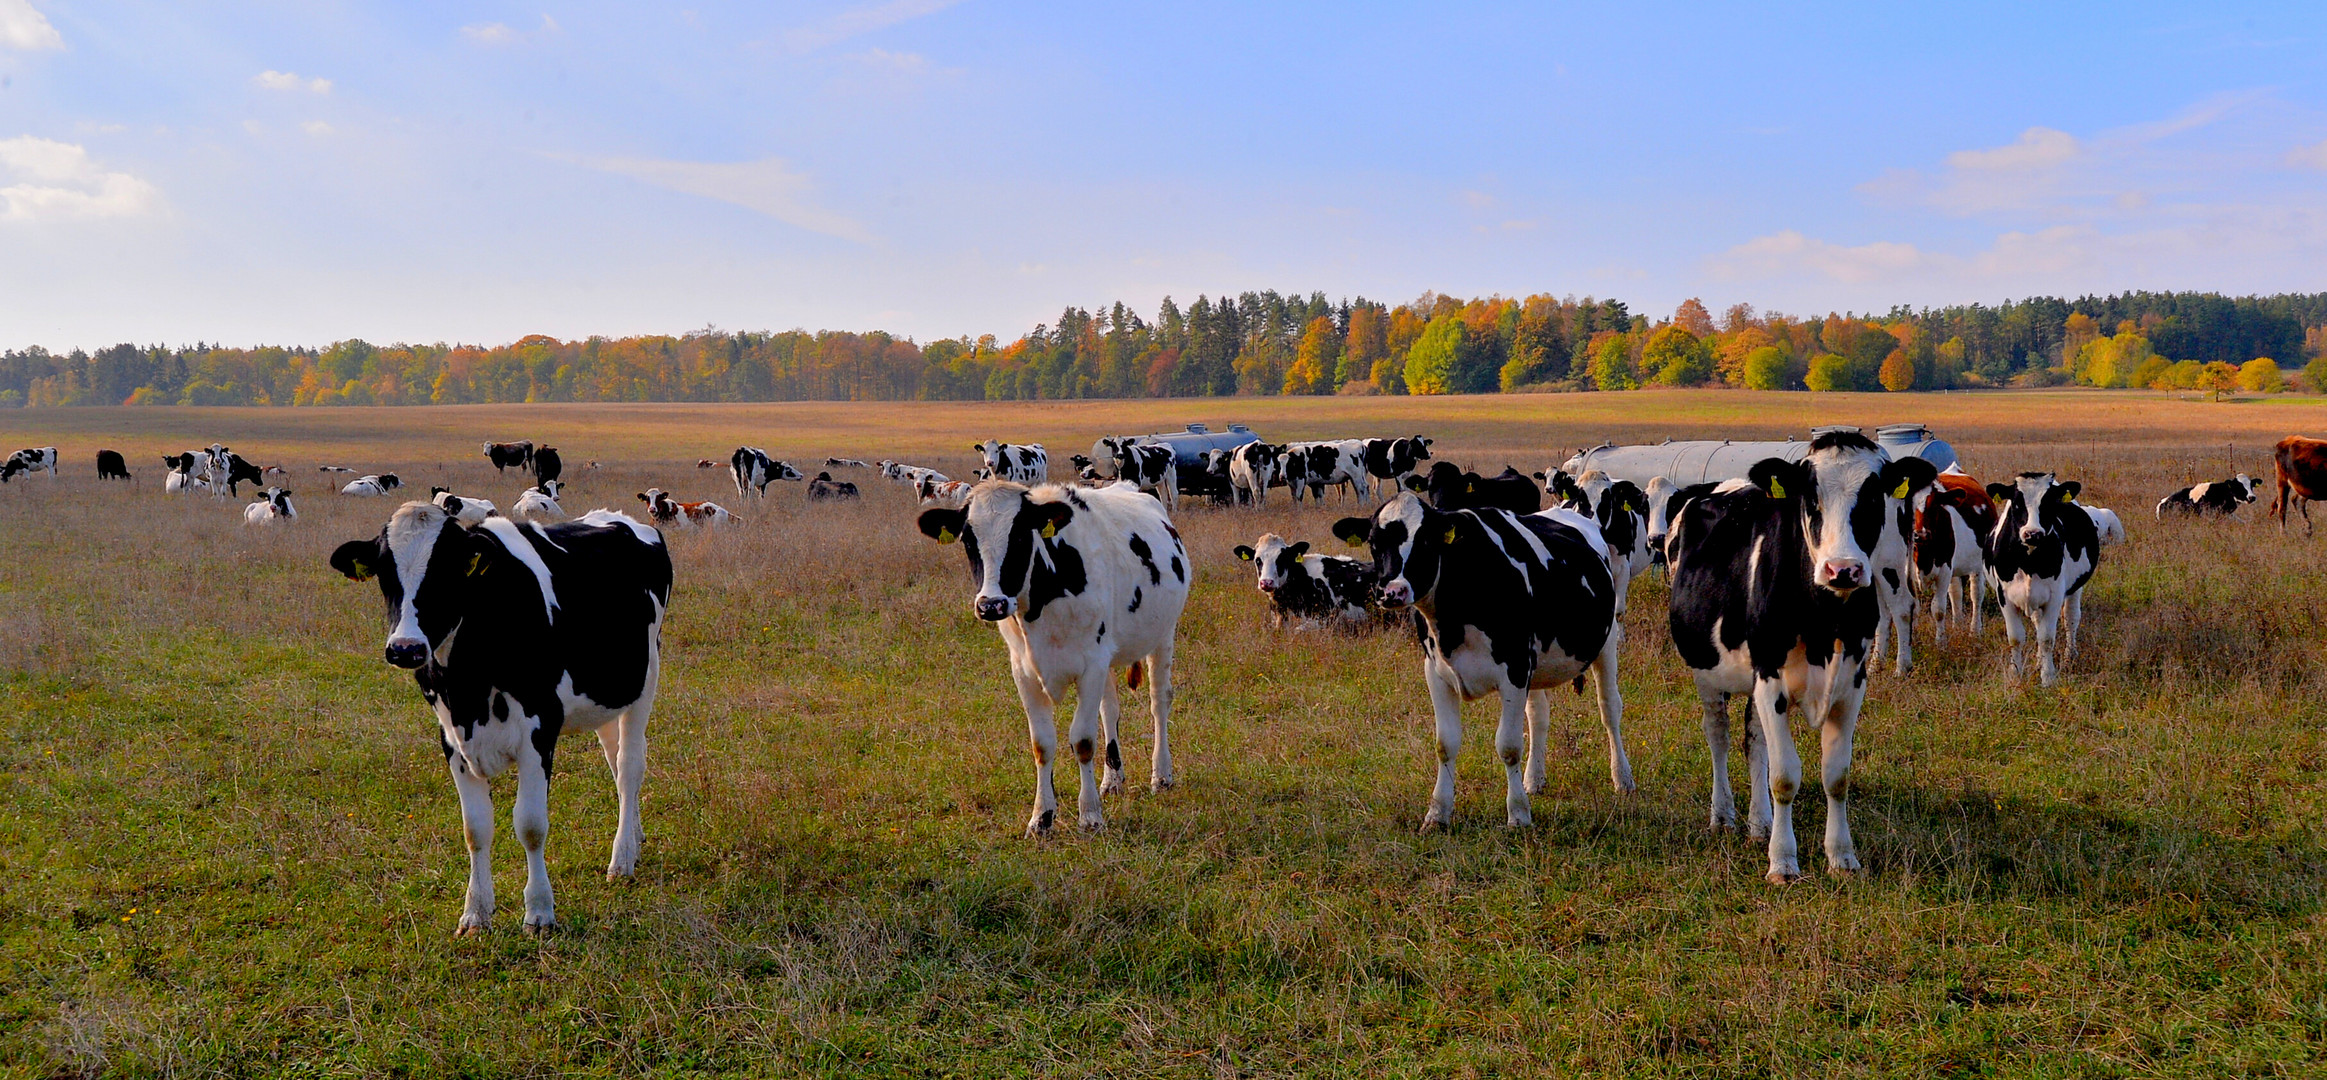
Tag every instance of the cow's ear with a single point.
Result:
(1416, 483)
(1053, 517)
(358, 559)
(1905, 475)
(1538, 476)
(642, 497)
(1778, 478)
(942, 524)
(1245, 552)
(2069, 490)
(1354, 531)
(1998, 493)
(452, 505)
(1299, 549)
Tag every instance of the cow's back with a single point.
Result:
(1136, 574)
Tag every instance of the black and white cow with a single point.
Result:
(2044, 550)
(29, 459)
(754, 469)
(464, 509)
(1508, 604)
(1891, 570)
(110, 466)
(273, 507)
(1080, 582)
(372, 484)
(1027, 464)
(1252, 469)
(238, 470)
(1772, 598)
(547, 465)
(825, 488)
(953, 493)
(216, 461)
(1393, 460)
(909, 475)
(2217, 497)
(183, 478)
(1311, 467)
(1306, 587)
(510, 455)
(539, 503)
(1207, 478)
(1152, 466)
(848, 461)
(518, 633)
(1450, 488)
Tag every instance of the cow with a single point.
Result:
(372, 484)
(1151, 466)
(467, 511)
(217, 460)
(1207, 478)
(237, 469)
(333, 468)
(517, 633)
(2216, 497)
(1027, 464)
(1950, 547)
(706, 463)
(547, 465)
(2041, 555)
(848, 461)
(1326, 589)
(824, 488)
(182, 479)
(1393, 460)
(30, 459)
(909, 475)
(1314, 466)
(1252, 470)
(110, 466)
(539, 503)
(1772, 597)
(1079, 582)
(753, 469)
(273, 506)
(664, 510)
(1889, 573)
(2107, 526)
(2301, 467)
(510, 455)
(954, 493)
(1450, 488)
(1508, 604)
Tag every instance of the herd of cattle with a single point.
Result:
(1785, 587)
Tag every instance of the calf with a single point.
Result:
(1151, 466)
(1450, 488)
(848, 461)
(2218, 497)
(467, 511)
(1950, 547)
(2301, 466)
(547, 465)
(272, 507)
(1394, 460)
(510, 455)
(1080, 582)
(1310, 587)
(539, 503)
(1771, 598)
(1315, 466)
(753, 469)
(182, 479)
(824, 487)
(665, 510)
(909, 475)
(1018, 464)
(30, 459)
(2107, 526)
(517, 633)
(370, 484)
(1506, 604)
(1252, 469)
(217, 461)
(2041, 555)
(953, 493)
(110, 466)
(237, 470)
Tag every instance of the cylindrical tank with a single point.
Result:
(1188, 446)
(1700, 461)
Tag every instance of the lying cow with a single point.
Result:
(824, 488)
(1302, 586)
(1080, 582)
(539, 503)
(467, 511)
(183, 479)
(754, 469)
(2220, 498)
(110, 466)
(272, 507)
(372, 485)
(665, 510)
(2042, 553)
(517, 633)
(952, 493)
(848, 461)
(30, 459)
(1450, 488)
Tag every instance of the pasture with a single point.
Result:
(228, 845)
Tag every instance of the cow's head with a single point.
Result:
(1564, 491)
(1408, 539)
(390, 482)
(999, 530)
(1842, 492)
(423, 562)
(550, 488)
(783, 470)
(2252, 491)
(2031, 506)
(1620, 496)
(991, 450)
(1278, 561)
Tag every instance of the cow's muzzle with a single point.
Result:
(1396, 594)
(2031, 534)
(994, 608)
(407, 653)
(1268, 586)
(1842, 575)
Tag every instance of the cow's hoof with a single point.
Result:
(1721, 825)
(472, 925)
(1039, 827)
(1433, 822)
(1519, 821)
(1161, 783)
(1093, 822)
(540, 925)
(1842, 873)
(1623, 784)
(1782, 877)
(1113, 785)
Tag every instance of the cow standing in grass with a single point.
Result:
(754, 470)
(1080, 582)
(517, 633)
(1028, 464)
(2044, 550)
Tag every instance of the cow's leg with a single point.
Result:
(2047, 622)
(624, 743)
(1716, 706)
(1446, 702)
(1899, 618)
(1755, 748)
(2015, 632)
(1837, 734)
(1538, 733)
(1785, 777)
(477, 830)
(1510, 745)
(1042, 735)
(1159, 706)
(530, 817)
(1111, 729)
(1083, 736)
(2072, 615)
(1612, 709)
(1882, 643)
(1942, 606)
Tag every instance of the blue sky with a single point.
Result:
(304, 172)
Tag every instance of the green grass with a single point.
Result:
(228, 845)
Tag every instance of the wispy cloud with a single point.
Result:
(22, 26)
(317, 128)
(883, 60)
(290, 83)
(496, 33)
(57, 181)
(767, 186)
(858, 21)
(2308, 157)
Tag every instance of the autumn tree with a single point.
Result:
(1431, 363)
(1828, 372)
(1315, 361)
(1675, 356)
(1766, 368)
(1898, 372)
(2261, 376)
(1692, 317)
(1368, 345)
(2218, 378)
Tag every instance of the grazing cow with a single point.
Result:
(954, 493)
(540, 503)
(110, 466)
(2107, 526)
(1450, 488)
(273, 506)
(1323, 588)
(236, 469)
(824, 487)
(665, 510)
(467, 511)
(30, 459)
(1394, 460)
(2041, 555)
(516, 634)
(753, 469)
(1080, 582)
(182, 479)
(367, 485)
(2218, 497)
(1027, 464)
(848, 461)
(1315, 466)
(1151, 466)
(510, 455)
(1950, 547)
(2301, 465)
(1507, 604)
(1771, 598)
(547, 465)
(1252, 470)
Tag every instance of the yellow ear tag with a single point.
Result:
(1998, 500)
(1355, 541)
(1901, 492)
(945, 536)
(1776, 490)
(1049, 530)
(476, 564)
(363, 573)
(2068, 496)
(1450, 531)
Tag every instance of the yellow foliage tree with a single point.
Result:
(1315, 359)
(2261, 376)
(1898, 372)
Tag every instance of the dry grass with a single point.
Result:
(2121, 876)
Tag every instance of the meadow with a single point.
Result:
(228, 846)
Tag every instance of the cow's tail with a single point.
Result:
(1136, 675)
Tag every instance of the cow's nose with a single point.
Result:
(993, 608)
(1397, 594)
(407, 652)
(2031, 534)
(1844, 571)
(1268, 586)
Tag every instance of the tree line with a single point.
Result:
(1262, 343)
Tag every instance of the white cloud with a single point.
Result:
(288, 82)
(857, 21)
(1791, 254)
(495, 33)
(2037, 148)
(767, 186)
(2308, 157)
(883, 59)
(316, 128)
(22, 26)
(57, 181)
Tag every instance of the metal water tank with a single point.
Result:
(1700, 461)
(1188, 446)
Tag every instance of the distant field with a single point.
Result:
(228, 845)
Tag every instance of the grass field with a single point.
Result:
(228, 845)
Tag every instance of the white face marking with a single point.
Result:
(1841, 475)
(412, 537)
(1406, 510)
(2032, 490)
(1264, 555)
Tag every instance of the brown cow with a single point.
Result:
(2302, 468)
